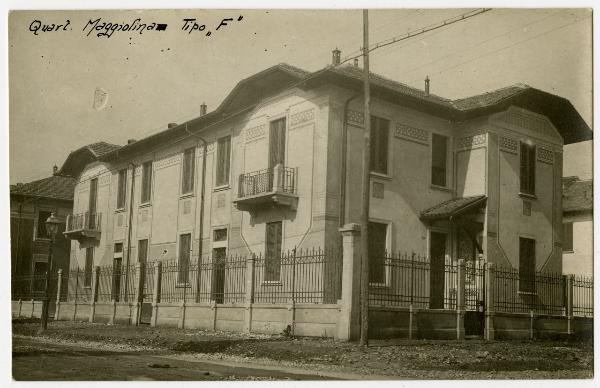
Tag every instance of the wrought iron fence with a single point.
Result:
(281, 179)
(405, 279)
(583, 296)
(541, 292)
(301, 276)
(84, 221)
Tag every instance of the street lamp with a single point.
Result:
(52, 226)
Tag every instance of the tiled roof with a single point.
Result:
(101, 148)
(453, 207)
(578, 195)
(54, 187)
(489, 98)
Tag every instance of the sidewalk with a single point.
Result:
(474, 359)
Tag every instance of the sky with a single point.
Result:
(155, 78)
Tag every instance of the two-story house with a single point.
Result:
(277, 165)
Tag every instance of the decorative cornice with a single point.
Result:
(508, 144)
(471, 141)
(167, 162)
(404, 131)
(302, 117)
(545, 155)
(355, 117)
(256, 132)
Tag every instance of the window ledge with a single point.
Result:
(527, 196)
(441, 188)
(527, 293)
(120, 210)
(183, 285)
(272, 283)
(379, 285)
(380, 175)
(568, 251)
(221, 188)
(147, 204)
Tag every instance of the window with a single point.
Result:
(122, 189)
(117, 271)
(439, 155)
(526, 265)
(273, 251)
(377, 250)
(187, 181)
(527, 169)
(142, 251)
(89, 264)
(568, 237)
(223, 157)
(185, 241)
(220, 235)
(277, 142)
(41, 225)
(146, 182)
(379, 145)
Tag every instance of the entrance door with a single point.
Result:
(437, 254)
(116, 280)
(218, 275)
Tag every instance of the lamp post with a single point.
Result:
(52, 225)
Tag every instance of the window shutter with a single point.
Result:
(523, 168)
(277, 143)
(531, 169)
(223, 155)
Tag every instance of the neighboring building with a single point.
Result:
(32, 203)
(578, 223)
(473, 178)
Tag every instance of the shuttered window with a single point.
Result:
(379, 145)
(89, 264)
(223, 158)
(273, 251)
(526, 265)
(122, 189)
(187, 179)
(439, 156)
(185, 241)
(527, 169)
(277, 142)
(146, 182)
(568, 237)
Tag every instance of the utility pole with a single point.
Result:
(366, 186)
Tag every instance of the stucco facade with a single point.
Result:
(482, 161)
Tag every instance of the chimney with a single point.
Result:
(171, 125)
(335, 57)
(355, 62)
(203, 109)
(131, 141)
(426, 86)
(55, 170)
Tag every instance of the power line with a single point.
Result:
(509, 46)
(420, 31)
(479, 43)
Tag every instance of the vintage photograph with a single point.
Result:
(316, 194)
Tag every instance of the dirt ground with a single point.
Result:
(417, 359)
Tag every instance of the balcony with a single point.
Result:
(272, 187)
(83, 226)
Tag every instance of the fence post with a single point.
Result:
(349, 317)
(490, 281)
(460, 301)
(249, 297)
(95, 279)
(569, 284)
(58, 291)
(156, 293)
(20, 307)
(139, 290)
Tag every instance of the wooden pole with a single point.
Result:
(366, 183)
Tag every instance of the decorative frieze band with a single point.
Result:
(545, 155)
(355, 117)
(412, 133)
(509, 145)
(302, 117)
(167, 162)
(255, 132)
(470, 141)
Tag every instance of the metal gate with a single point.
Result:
(474, 298)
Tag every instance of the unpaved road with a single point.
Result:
(35, 361)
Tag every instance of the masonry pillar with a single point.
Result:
(95, 278)
(156, 294)
(490, 281)
(460, 301)
(349, 318)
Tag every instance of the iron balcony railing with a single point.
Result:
(84, 221)
(278, 179)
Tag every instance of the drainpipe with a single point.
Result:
(342, 209)
(129, 228)
(202, 189)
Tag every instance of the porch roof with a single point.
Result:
(453, 207)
